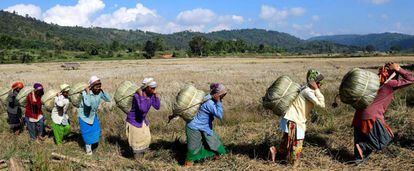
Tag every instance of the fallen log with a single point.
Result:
(75, 160)
(15, 164)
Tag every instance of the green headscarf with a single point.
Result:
(314, 75)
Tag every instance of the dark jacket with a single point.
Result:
(14, 112)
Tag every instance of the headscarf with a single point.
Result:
(64, 88)
(38, 86)
(148, 82)
(93, 80)
(314, 75)
(385, 74)
(217, 88)
(17, 84)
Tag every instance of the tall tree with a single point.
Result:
(149, 49)
(199, 46)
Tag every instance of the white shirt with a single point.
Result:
(302, 106)
(59, 112)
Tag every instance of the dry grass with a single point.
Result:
(247, 130)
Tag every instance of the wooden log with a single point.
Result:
(75, 160)
(15, 165)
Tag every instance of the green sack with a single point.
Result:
(188, 102)
(75, 93)
(124, 95)
(48, 99)
(280, 95)
(4, 93)
(359, 88)
(22, 97)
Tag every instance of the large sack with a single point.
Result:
(75, 93)
(48, 99)
(359, 88)
(188, 102)
(124, 95)
(280, 95)
(4, 92)
(21, 97)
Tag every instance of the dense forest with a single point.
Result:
(25, 39)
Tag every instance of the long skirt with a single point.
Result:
(379, 137)
(138, 138)
(90, 133)
(59, 132)
(200, 145)
(291, 145)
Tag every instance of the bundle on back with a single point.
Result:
(4, 92)
(48, 99)
(75, 93)
(280, 95)
(21, 97)
(359, 88)
(124, 95)
(188, 102)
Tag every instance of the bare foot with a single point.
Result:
(272, 153)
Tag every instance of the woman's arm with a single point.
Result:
(316, 97)
(156, 102)
(86, 99)
(216, 108)
(105, 96)
(407, 79)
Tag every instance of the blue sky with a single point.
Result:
(302, 18)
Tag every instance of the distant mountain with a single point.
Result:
(382, 41)
(35, 34)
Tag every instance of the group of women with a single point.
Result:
(371, 133)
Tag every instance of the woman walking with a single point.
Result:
(34, 115)
(14, 112)
(60, 125)
(202, 141)
(87, 113)
(371, 133)
(137, 126)
(293, 124)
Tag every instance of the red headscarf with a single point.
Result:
(17, 84)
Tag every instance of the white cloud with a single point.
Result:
(130, 18)
(297, 11)
(78, 14)
(378, 2)
(196, 16)
(23, 9)
(316, 18)
(302, 27)
(272, 14)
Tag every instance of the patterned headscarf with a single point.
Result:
(314, 75)
(217, 88)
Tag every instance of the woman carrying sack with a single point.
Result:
(293, 124)
(34, 115)
(371, 133)
(137, 125)
(60, 125)
(87, 113)
(14, 112)
(200, 129)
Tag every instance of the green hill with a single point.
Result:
(382, 41)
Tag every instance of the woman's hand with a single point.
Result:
(87, 90)
(394, 66)
(313, 85)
